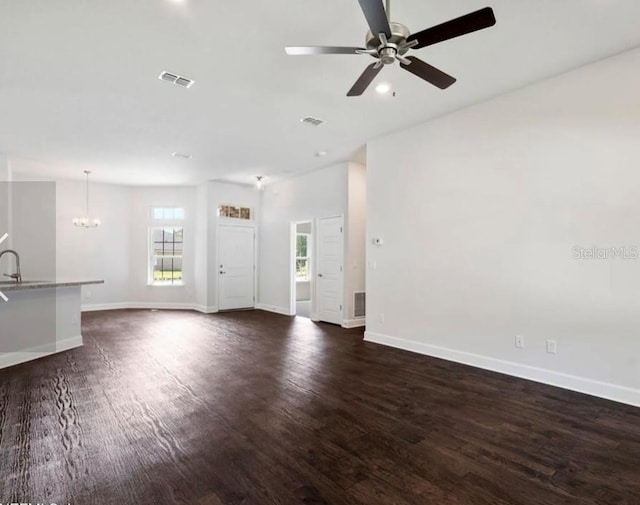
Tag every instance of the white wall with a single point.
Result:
(97, 253)
(318, 194)
(356, 231)
(33, 228)
(480, 210)
(5, 180)
(201, 264)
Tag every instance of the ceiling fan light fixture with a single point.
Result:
(383, 88)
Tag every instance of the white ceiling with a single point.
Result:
(79, 87)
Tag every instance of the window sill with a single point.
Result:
(174, 285)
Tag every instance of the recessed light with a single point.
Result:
(182, 155)
(321, 154)
(383, 88)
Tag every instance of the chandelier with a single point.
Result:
(86, 221)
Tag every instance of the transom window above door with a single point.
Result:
(167, 213)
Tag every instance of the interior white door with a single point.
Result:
(236, 272)
(330, 275)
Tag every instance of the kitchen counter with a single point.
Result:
(39, 318)
(15, 286)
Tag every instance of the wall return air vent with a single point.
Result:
(176, 79)
(312, 120)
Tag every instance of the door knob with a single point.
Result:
(319, 275)
(222, 272)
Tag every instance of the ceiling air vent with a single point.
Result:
(178, 80)
(312, 120)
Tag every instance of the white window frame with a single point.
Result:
(162, 224)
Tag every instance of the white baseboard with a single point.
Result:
(358, 322)
(272, 308)
(105, 306)
(149, 305)
(591, 387)
(15, 358)
(204, 309)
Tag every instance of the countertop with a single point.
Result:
(14, 286)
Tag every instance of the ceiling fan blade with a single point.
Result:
(365, 79)
(376, 17)
(478, 20)
(310, 50)
(428, 73)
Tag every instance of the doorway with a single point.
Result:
(236, 272)
(303, 268)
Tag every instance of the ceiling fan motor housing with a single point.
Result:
(395, 43)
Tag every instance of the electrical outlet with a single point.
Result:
(87, 294)
(552, 346)
(519, 341)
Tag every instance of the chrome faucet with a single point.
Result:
(17, 276)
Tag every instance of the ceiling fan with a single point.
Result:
(389, 42)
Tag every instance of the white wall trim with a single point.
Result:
(149, 305)
(591, 387)
(204, 309)
(358, 322)
(272, 308)
(15, 358)
(105, 306)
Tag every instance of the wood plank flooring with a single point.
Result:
(257, 408)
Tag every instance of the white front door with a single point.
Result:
(330, 257)
(236, 267)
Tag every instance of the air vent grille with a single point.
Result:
(359, 304)
(178, 80)
(314, 121)
(166, 76)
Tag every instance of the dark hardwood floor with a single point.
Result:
(256, 408)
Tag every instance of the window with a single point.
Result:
(303, 265)
(166, 256)
(167, 213)
(234, 212)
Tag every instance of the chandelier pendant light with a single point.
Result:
(86, 221)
